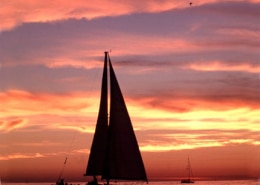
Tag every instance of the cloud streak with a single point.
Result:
(23, 102)
(14, 13)
(74, 41)
(21, 156)
(222, 66)
(177, 139)
(12, 124)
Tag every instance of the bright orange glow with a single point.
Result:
(75, 106)
(24, 103)
(20, 156)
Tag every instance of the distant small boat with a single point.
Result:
(189, 171)
(114, 153)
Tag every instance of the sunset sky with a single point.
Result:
(190, 76)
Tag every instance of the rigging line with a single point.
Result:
(89, 92)
(92, 85)
(72, 141)
(67, 156)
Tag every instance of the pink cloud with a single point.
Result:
(14, 13)
(224, 66)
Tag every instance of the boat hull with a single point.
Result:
(93, 183)
(187, 181)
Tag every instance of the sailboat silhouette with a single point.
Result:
(114, 154)
(188, 180)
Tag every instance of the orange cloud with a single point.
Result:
(68, 112)
(176, 139)
(21, 109)
(21, 156)
(61, 110)
(22, 103)
(41, 154)
(12, 124)
(89, 129)
(65, 109)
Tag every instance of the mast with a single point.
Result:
(189, 167)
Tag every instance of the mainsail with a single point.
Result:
(121, 157)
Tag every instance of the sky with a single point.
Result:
(190, 75)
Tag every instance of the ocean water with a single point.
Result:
(218, 182)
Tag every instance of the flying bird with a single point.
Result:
(190, 3)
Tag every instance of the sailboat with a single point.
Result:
(114, 153)
(188, 180)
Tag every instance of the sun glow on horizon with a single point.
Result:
(78, 105)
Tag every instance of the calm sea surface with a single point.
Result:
(232, 182)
